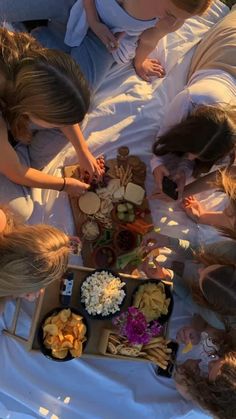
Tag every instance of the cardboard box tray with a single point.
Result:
(96, 327)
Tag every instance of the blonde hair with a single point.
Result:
(12, 220)
(227, 182)
(42, 82)
(195, 7)
(31, 257)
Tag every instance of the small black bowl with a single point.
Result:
(99, 316)
(164, 317)
(47, 352)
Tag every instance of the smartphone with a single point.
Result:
(169, 188)
(169, 370)
(66, 288)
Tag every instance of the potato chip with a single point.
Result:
(151, 299)
(65, 314)
(60, 354)
(52, 329)
(63, 332)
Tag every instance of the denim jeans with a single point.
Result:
(92, 56)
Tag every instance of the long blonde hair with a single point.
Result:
(45, 83)
(195, 7)
(31, 257)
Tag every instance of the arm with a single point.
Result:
(148, 40)
(11, 167)
(177, 111)
(101, 30)
(87, 161)
(204, 183)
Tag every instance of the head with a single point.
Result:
(181, 9)
(206, 136)
(216, 288)
(215, 393)
(40, 85)
(31, 257)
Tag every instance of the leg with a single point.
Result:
(94, 59)
(50, 38)
(23, 10)
(17, 196)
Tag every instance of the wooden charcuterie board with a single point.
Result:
(111, 246)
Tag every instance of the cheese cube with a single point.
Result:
(134, 193)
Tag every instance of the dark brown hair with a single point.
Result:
(208, 132)
(45, 83)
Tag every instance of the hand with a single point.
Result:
(158, 173)
(180, 179)
(154, 240)
(188, 334)
(153, 270)
(75, 187)
(89, 164)
(110, 40)
(149, 68)
(32, 296)
(193, 208)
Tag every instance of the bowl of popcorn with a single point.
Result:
(102, 294)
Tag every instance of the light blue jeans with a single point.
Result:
(92, 55)
(18, 197)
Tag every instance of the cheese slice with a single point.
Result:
(134, 193)
(89, 203)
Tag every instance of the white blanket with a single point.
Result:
(126, 111)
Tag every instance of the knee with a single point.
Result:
(22, 208)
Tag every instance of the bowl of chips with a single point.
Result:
(63, 334)
(154, 299)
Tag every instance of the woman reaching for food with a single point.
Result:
(43, 87)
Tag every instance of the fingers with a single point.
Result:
(119, 36)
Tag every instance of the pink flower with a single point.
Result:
(133, 325)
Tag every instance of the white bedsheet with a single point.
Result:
(126, 111)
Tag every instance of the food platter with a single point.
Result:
(113, 215)
(97, 339)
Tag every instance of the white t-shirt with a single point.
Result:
(206, 87)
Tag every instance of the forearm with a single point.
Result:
(33, 178)
(215, 219)
(74, 135)
(202, 184)
(147, 43)
(91, 13)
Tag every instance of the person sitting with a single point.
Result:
(207, 287)
(47, 88)
(208, 376)
(199, 125)
(120, 31)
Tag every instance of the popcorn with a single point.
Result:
(102, 293)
